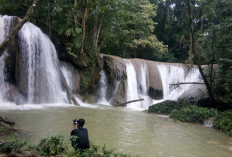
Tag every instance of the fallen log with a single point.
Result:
(176, 84)
(7, 122)
(69, 93)
(124, 104)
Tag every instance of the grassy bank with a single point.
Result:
(185, 112)
(54, 146)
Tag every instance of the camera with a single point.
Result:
(75, 121)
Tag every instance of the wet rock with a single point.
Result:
(90, 99)
(115, 69)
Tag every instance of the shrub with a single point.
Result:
(223, 121)
(50, 146)
(16, 143)
(193, 113)
(167, 106)
(101, 150)
(163, 108)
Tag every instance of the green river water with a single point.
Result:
(127, 130)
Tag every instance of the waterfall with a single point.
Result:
(102, 89)
(38, 77)
(115, 90)
(39, 55)
(172, 74)
(132, 91)
(2, 84)
(137, 86)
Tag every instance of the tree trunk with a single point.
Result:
(95, 31)
(75, 15)
(8, 39)
(123, 104)
(83, 27)
(197, 59)
(49, 21)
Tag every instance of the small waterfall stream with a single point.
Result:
(2, 84)
(102, 88)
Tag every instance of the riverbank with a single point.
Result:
(53, 146)
(185, 112)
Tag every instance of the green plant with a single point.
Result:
(101, 150)
(165, 107)
(16, 143)
(193, 113)
(223, 121)
(52, 145)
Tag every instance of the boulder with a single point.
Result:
(90, 99)
(115, 69)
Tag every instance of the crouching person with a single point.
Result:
(82, 141)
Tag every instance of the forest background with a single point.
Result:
(184, 31)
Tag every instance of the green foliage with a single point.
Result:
(183, 111)
(101, 150)
(52, 145)
(73, 140)
(86, 76)
(223, 121)
(16, 143)
(165, 107)
(193, 114)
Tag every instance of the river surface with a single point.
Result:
(127, 130)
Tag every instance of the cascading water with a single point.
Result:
(137, 86)
(38, 63)
(173, 74)
(102, 88)
(39, 55)
(2, 84)
(115, 90)
(132, 91)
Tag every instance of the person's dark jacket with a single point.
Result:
(83, 138)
